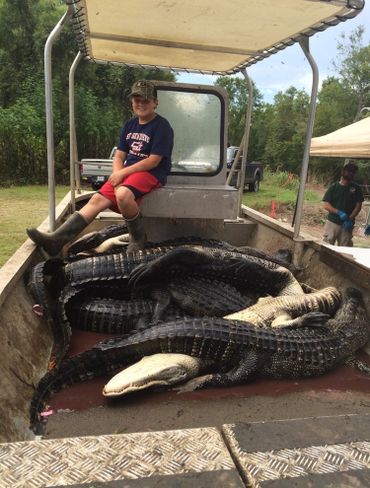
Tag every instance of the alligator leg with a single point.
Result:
(309, 319)
(243, 372)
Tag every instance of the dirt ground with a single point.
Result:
(314, 216)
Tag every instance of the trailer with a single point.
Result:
(306, 432)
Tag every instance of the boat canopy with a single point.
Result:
(211, 36)
(352, 141)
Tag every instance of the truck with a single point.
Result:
(253, 170)
(96, 171)
(307, 430)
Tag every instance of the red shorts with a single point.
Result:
(139, 183)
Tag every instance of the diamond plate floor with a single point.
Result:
(310, 452)
(325, 451)
(80, 461)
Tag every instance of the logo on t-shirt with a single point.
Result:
(137, 142)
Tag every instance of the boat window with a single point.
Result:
(197, 121)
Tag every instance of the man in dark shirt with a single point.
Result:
(343, 200)
(141, 163)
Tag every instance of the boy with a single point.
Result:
(141, 163)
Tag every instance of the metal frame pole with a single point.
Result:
(73, 155)
(49, 113)
(245, 139)
(304, 43)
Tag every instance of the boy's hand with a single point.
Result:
(116, 178)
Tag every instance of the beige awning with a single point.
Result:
(352, 141)
(208, 36)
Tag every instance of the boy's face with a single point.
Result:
(142, 107)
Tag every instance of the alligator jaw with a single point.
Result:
(158, 369)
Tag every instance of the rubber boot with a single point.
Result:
(53, 242)
(137, 233)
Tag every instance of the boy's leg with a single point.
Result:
(53, 242)
(127, 197)
(131, 213)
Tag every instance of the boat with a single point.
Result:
(311, 430)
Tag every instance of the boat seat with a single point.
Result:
(181, 201)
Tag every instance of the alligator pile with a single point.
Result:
(174, 298)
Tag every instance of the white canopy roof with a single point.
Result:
(208, 36)
(352, 141)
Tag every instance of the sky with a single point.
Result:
(290, 66)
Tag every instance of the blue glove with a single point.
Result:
(348, 225)
(342, 215)
(367, 230)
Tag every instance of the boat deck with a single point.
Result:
(324, 451)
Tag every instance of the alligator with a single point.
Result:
(97, 242)
(54, 275)
(43, 281)
(259, 275)
(94, 239)
(238, 349)
(283, 311)
(111, 310)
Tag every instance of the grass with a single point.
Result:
(22, 207)
(281, 187)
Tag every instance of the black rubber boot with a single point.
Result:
(53, 242)
(137, 233)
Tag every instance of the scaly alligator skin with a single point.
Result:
(119, 265)
(42, 285)
(94, 239)
(259, 275)
(239, 348)
(103, 314)
(279, 311)
(202, 296)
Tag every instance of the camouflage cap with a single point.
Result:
(143, 88)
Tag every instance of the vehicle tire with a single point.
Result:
(255, 186)
(96, 185)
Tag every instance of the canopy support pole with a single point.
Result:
(73, 153)
(49, 112)
(245, 140)
(304, 43)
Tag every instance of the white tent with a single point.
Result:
(352, 141)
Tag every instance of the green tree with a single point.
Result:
(353, 66)
(286, 130)
(238, 97)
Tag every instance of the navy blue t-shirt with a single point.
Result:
(141, 140)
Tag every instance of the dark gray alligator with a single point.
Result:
(91, 241)
(256, 274)
(119, 266)
(238, 349)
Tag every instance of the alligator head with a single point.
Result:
(156, 370)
